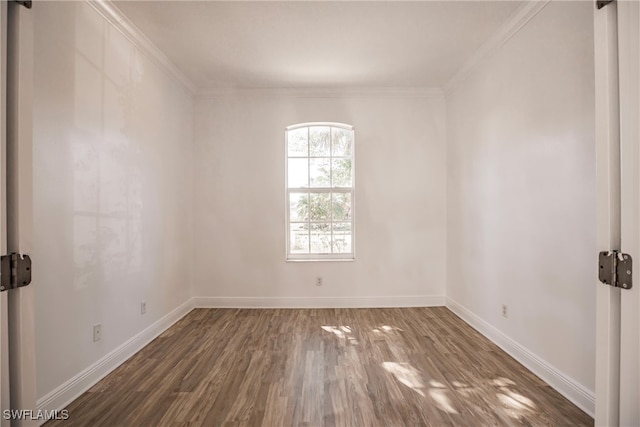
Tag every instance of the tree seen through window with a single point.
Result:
(320, 191)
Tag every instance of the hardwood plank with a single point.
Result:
(321, 367)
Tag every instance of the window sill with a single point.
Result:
(320, 260)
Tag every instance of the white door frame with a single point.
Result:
(608, 212)
(629, 71)
(617, 75)
(4, 331)
(19, 165)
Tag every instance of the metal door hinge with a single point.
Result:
(615, 269)
(15, 271)
(602, 3)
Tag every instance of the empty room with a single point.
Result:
(318, 213)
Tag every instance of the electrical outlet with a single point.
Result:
(143, 307)
(505, 310)
(97, 332)
(318, 281)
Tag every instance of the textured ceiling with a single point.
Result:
(311, 44)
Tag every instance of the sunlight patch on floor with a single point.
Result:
(438, 393)
(517, 404)
(516, 401)
(343, 332)
(405, 374)
(458, 384)
(502, 382)
(443, 402)
(386, 329)
(436, 384)
(334, 330)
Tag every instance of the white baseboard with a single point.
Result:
(320, 302)
(568, 387)
(74, 387)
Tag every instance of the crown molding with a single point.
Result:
(115, 17)
(518, 20)
(346, 92)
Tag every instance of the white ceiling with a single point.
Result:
(310, 44)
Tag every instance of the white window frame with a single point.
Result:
(289, 190)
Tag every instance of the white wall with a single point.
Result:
(521, 190)
(112, 180)
(399, 213)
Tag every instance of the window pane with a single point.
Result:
(321, 238)
(342, 237)
(341, 206)
(297, 142)
(342, 141)
(298, 207)
(320, 181)
(299, 238)
(320, 206)
(342, 176)
(320, 172)
(298, 173)
(319, 140)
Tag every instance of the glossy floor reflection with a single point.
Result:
(346, 367)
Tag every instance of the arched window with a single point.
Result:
(320, 191)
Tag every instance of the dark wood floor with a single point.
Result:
(345, 367)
